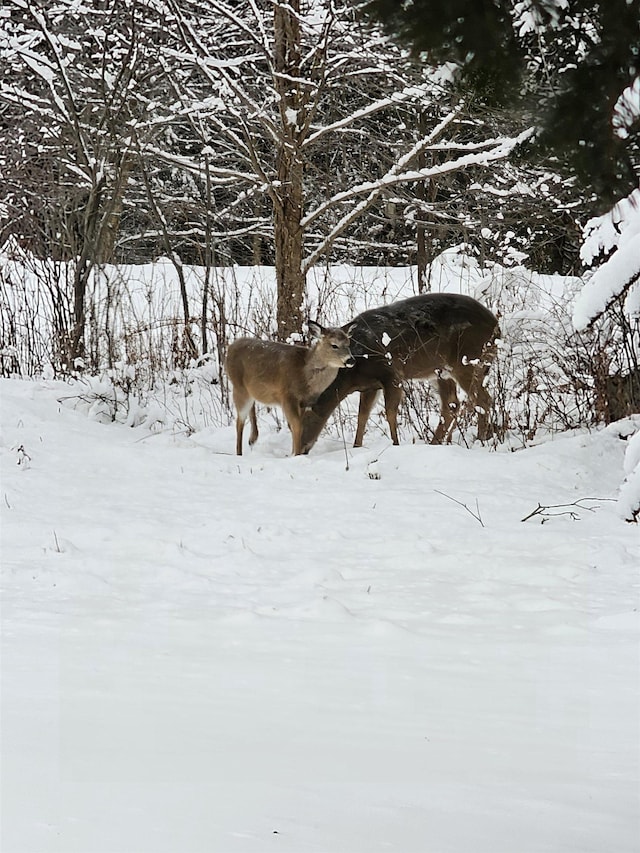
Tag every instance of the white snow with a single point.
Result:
(209, 653)
(618, 233)
(629, 498)
(608, 282)
(607, 232)
(627, 109)
(291, 116)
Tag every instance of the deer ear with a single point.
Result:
(315, 329)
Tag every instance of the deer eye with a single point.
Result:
(334, 346)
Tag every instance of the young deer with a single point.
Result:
(291, 377)
(444, 337)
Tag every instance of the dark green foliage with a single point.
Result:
(579, 119)
(568, 65)
(476, 33)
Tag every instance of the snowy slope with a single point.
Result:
(204, 654)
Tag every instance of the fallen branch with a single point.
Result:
(564, 509)
(475, 514)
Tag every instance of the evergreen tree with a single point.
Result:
(567, 62)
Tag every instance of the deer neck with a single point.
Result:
(318, 375)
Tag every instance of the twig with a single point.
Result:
(475, 514)
(564, 509)
(344, 441)
(58, 548)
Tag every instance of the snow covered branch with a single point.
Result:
(395, 99)
(617, 233)
(400, 174)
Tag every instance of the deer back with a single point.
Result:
(267, 370)
(417, 337)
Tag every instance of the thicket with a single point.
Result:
(280, 135)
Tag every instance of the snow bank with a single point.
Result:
(629, 498)
(201, 652)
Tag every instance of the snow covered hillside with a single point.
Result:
(203, 653)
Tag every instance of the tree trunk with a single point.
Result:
(289, 237)
(256, 243)
(421, 253)
(101, 223)
(289, 249)
(110, 227)
(84, 263)
(423, 256)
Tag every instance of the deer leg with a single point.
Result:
(254, 425)
(367, 399)
(243, 404)
(484, 407)
(293, 413)
(449, 405)
(239, 431)
(392, 399)
(470, 379)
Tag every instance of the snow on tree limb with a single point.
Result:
(399, 174)
(408, 93)
(611, 281)
(618, 231)
(604, 233)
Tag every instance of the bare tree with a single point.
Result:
(73, 96)
(292, 83)
(279, 132)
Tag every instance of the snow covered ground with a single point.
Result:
(204, 654)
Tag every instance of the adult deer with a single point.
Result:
(444, 337)
(292, 377)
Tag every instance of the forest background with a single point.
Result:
(300, 135)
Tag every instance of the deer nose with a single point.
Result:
(350, 362)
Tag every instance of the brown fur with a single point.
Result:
(447, 338)
(276, 374)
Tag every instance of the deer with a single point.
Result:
(449, 339)
(285, 375)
